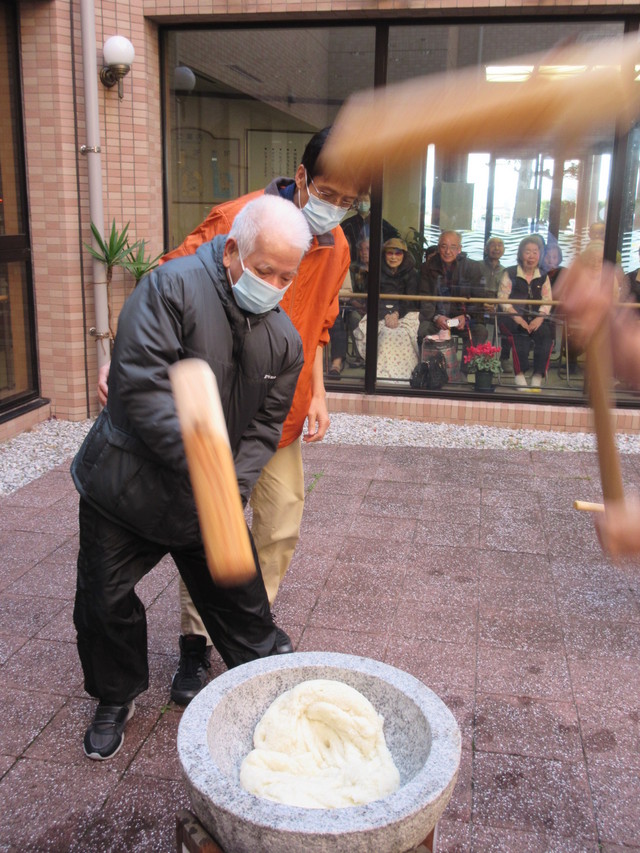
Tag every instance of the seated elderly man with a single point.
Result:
(446, 273)
(136, 503)
(490, 267)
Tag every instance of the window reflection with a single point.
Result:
(18, 374)
(251, 113)
(16, 357)
(503, 194)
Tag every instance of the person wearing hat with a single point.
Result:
(397, 318)
(397, 275)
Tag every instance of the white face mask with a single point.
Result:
(321, 215)
(364, 207)
(253, 294)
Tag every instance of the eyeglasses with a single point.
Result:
(336, 199)
(449, 248)
(393, 252)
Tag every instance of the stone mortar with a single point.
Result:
(216, 733)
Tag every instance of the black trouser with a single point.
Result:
(520, 339)
(346, 321)
(338, 338)
(110, 618)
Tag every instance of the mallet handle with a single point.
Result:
(587, 506)
(599, 374)
(213, 477)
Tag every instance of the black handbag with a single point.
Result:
(430, 374)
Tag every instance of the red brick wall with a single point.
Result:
(131, 144)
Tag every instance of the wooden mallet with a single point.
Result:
(568, 91)
(599, 374)
(211, 469)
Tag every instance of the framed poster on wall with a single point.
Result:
(206, 168)
(273, 154)
(225, 167)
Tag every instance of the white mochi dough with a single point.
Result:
(320, 745)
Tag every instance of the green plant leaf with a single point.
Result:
(114, 250)
(416, 244)
(111, 252)
(136, 263)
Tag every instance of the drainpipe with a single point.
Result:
(94, 163)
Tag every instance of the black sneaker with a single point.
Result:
(191, 675)
(284, 646)
(105, 735)
(566, 372)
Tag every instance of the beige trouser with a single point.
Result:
(277, 502)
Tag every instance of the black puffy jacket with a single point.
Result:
(465, 282)
(132, 465)
(404, 279)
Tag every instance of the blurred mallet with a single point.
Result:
(588, 276)
(213, 477)
(588, 506)
(568, 91)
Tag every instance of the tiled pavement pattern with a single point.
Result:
(468, 569)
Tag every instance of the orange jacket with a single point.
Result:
(311, 301)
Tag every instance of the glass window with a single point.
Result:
(629, 240)
(250, 104)
(12, 219)
(242, 115)
(18, 374)
(16, 356)
(507, 193)
(241, 106)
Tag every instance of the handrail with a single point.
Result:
(421, 297)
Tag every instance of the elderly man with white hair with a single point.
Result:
(136, 503)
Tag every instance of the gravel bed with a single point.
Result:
(29, 455)
(389, 432)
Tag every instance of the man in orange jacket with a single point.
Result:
(312, 304)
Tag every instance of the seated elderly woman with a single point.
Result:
(524, 323)
(397, 319)
(551, 262)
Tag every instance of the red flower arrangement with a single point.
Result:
(483, 357)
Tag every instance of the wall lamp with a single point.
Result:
(118, 54)
(184, 80)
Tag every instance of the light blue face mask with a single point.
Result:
(253, 294)
(321, 215)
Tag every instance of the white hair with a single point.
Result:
(272, 214)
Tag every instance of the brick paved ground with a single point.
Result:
(468, 569)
